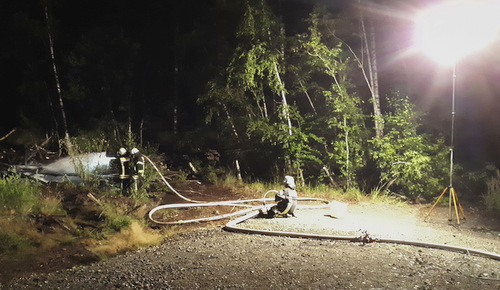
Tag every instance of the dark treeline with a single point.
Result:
(308, 88)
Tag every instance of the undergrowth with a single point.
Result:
(492, 196)
(257, 189)
(18, 196)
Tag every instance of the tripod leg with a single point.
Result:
(444, 191)
(454, 195)
(459, 205)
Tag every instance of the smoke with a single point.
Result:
(90, 162)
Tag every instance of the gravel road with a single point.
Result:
(212, 258)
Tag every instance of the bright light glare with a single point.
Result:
(455, 29)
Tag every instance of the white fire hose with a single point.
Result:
(252, 211)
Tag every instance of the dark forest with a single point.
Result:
(326, 91)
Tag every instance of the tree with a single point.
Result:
(411, 162)
(344, 117)
(368, 48)
(256, 63)
(67, 140)
(253, 78)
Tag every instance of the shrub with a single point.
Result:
(410, 161)
(492, 196)
(18, 195)
(118, 222)
(11, 244)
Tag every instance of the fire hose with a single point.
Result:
(252, 211)
(231, 226)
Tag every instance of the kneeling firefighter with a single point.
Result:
(286, 200)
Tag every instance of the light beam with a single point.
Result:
(454, 29)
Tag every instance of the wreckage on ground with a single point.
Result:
(72, 168)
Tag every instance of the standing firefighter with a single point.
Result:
(287, 198)
(124, 171)
(137, 168)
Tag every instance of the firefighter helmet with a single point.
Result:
(289, 182)
(122, 151)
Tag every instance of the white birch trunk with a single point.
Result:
(369, 46)
(308, 97)
(285, 104)
(347, 153)
(67, 141)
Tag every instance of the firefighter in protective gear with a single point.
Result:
(137, 167)
(124, 171)
(287, 198)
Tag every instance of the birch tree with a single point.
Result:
(346, 118)
(369, 51)
(257, 63)
(254, 85)
(67, 141)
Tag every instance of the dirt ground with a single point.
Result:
(209, 257)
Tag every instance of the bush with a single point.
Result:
(12, 244)
(492, 196)
(118, 222)
(18, 195)
(411, 162)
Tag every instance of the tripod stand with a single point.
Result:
(454, 197)
(453, 194)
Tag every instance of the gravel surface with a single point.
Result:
(212, 258)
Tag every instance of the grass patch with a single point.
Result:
(18, 196)
(117, 222)
(492, 197)
(51, 205)
(13, 245)
(20, 239)
(128, 238)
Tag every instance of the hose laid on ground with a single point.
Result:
(254, 211)
(232, 203)
(231, 226)
(196, 203)
(166, 182)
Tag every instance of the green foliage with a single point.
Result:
(344, 117)
(300, 145)
(18, 195)
(51, 206)
(347, 121)
(492, 197)
(114, 216)
(257, 57)
(412, 163)
(324, 50)
(90, 142)
(117, 222)
(12, 244)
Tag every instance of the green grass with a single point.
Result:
(492, 197)
(257, 189)
(18, 196)
(13, 244)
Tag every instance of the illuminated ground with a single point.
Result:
(211, 258)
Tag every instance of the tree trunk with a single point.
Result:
(238, 170)
(347, 153)
(55, 129)
(67, 141)
(329, 176)
(308, 97)
(369, 46)
(176, 75)
(285, 104)
(141, 130)
(129, 126)
(233, 128)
